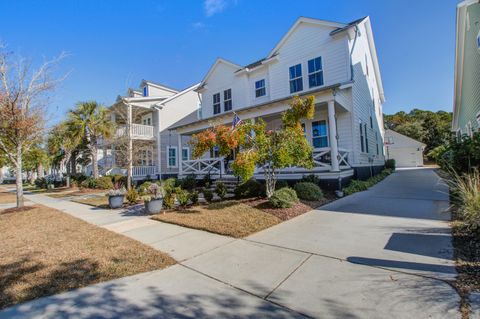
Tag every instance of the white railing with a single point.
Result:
(144, 170)
(136, 171)
(139, 131)
(322, 157)
(203, 166)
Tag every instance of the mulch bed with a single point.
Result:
(286, 213)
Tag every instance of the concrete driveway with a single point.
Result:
(383, 253)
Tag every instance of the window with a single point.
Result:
(216, 103)
(147, 121)
(214, 152)
(319, 134)
(362, 139)
(172, 156)
(145, 90)
(227, 100)
(376, 140)
(260, 88)
(371, 122)
(296, 80)
(366, 138)
(145, 157)
(185, 154)
(315, 72)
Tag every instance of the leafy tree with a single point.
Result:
(35, 160)
(270, 149)
(90, 121)
(431, 128)
(62, 146)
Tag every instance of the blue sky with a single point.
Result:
(113, 45)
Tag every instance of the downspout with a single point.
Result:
(351, 52)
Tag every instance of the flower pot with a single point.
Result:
(339, 194)
(154, 206)
(116, 201)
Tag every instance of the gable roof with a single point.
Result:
(409, 139)
(157, 85)
(299, 21)
(173, 97)
(215, 64)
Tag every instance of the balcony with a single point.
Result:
(139, 131)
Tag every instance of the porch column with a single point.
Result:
(130, 145)
(159, 145)
(332, 133)
(179, 154)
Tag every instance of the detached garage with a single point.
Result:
(406, 151)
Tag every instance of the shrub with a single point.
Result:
(183, 196)
(132, 196)
(90, 182)
(188, 183)
(169, 199)
(208, 195)
(143, 189)
(77, 178)
(311, 179)
(169, 183)
(194, 197)
(41, 182)
(390, 163)
(221, 190)
(466, 194)
(358, 185)
(119, 179)
(207, 181)
(281, 184)
(308, 191)
(250, 188)
(284, 198)
(104, 182)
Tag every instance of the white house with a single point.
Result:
(337, 64)
(143, 118)
(406, 151)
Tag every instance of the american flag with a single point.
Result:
(236, 121)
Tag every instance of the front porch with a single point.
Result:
(331, 160)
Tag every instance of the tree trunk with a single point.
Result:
(31, 177)
(73, 162)
(40, 171)
(94, 161)
(270, 180)
(67, 179)
(19, 181)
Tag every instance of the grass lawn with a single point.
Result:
(230, 218)
(45, 252)
(100, 201)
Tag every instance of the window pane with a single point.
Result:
(311, 67)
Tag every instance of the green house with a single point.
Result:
(466, 109)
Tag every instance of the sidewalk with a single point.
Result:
(179, 242)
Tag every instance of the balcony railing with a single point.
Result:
(139, 131)
(136, 171)
(204, 166)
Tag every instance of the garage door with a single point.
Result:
(406, 157)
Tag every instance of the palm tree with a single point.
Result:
(61, 147)
(90, 121)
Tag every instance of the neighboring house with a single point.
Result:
(406, 151)
(466, 108)
(337, 64)
(148, 113)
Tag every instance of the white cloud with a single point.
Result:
(214, 6)
(198, 25)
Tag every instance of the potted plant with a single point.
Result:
(116, 196)
(153, 204)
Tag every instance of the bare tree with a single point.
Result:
(24, 96)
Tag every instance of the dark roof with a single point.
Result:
(349, 25)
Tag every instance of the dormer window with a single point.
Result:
(145, 90)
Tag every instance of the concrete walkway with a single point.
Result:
(383, 253)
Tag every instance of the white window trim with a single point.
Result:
(302, 67)
(168, 156)
(322, 70)
(255, 88)
(188, 152)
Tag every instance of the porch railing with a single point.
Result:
(139, 131)
(136, 171)
(204, 166)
